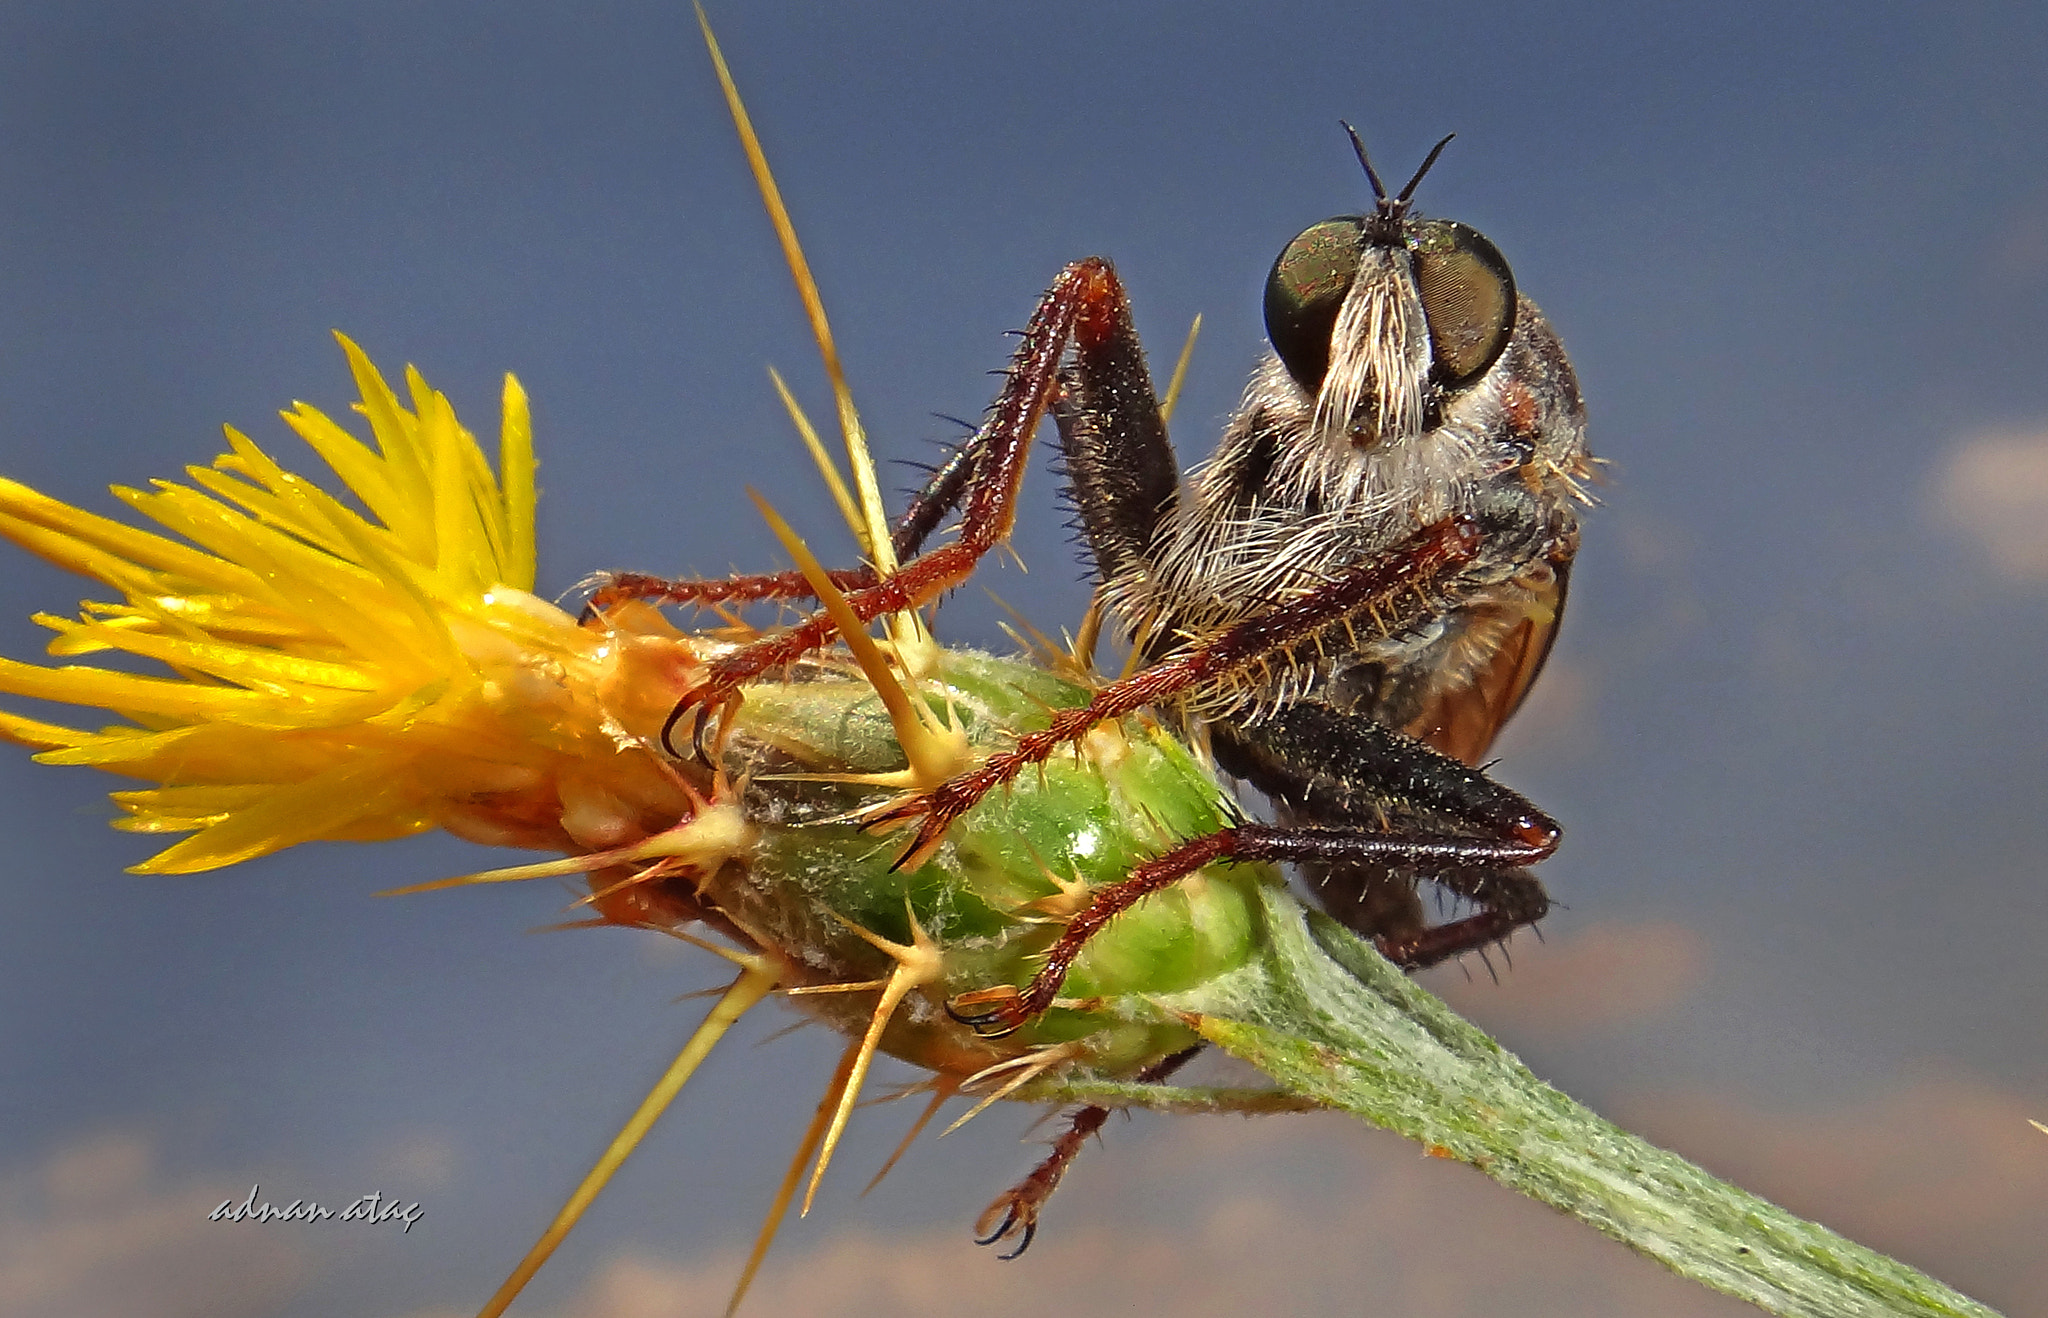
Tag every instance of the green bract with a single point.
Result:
(993, 896)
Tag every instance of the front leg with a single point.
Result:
(994, 1012)
(1337, 767)
(615, 588)
(1507, 900)
(1086, 298)
(1404, 584)
(1361, 800)
(1120, 468)
(940, 494)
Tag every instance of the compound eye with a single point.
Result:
(1305, 292)
(1468, 298)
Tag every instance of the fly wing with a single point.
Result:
(1503, 647)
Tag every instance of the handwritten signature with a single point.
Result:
(371, 1208)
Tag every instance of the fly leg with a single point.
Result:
(1373, 800)
(1000, 1010)
(1332, 766)
(940, 494)
(616, 588)
(1405, 583)
(1085, 304)
(1507, 900)
(1015, 1211)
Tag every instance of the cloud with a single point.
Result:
(416, 1159)
(2019, 252)
(1603, 977)
(1994, 489)
(1227, 1216)
(1205, 1218)
(96, 1229)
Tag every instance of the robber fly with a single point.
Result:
(1346, 602)
(1409, 383)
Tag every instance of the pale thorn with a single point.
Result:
(943, 1088)
(718, 834)
(994, 1069)
(660, 869)
(755, 982)
(862, 986)
(801, 1023)
(561, 925)
(1180, 371)
(1082, 651)
(917, 658)
(1071, 899)
(914, 645)
(742, 630)
(779, 1206)
(695, 994)
(877, 532)
(549, 869)
(1105, 744)
(908, 630)
(908, 779)
(710, 839)
(1028, 1068)
(935, 751)
(918, 963)
(903, 1089)
(722, 788)
(1040, 646)
(917, 951)
(822, 459)
(738, 958)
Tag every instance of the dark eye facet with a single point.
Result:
(1468, 298)
(1305, 292)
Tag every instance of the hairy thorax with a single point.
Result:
(1265, 520)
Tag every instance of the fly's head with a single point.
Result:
(1410, 384)
(1409, 371)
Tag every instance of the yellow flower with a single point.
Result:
(341, 676)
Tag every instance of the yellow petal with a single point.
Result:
(366, 474)
(411, 518)
(240, 664)
(38, 734)
(67, 536)
(284, 816)
(517, 468)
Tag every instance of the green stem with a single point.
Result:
(1329, 1019)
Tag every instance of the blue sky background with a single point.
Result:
(1795, 727)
